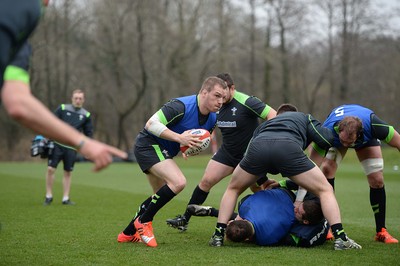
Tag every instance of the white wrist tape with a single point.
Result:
(301, 193)
(334, 155)
(154, 126)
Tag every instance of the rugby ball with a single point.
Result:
(205, 142)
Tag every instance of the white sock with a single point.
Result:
(49, 196)
(65, 198)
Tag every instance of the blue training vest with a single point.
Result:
(272, 214)
(190, 120)
(342, 111)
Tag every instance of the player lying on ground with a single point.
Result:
(268, 217)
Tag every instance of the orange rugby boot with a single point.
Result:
(385, 237)
(146, 232)
(122, 238)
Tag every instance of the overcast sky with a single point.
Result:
(388, 10)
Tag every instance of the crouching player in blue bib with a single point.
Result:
(369, 153)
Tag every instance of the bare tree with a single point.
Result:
(354, 17)
(132, 56)
(252, 31)
(267, 58)
(328, 7)
(187, 45)
(125, 85)
(65, 49)
(345, 55)
(223, 33)
(288, 16)
(162, 33)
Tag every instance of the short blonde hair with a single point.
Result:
(210, 83)
(78, 91)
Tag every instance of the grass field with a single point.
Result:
(85, 234)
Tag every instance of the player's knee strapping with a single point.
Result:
(372, 165)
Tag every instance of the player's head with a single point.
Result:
(286, 107)
(212, 95)
(231, 85)
(211, 83)
(78, 98)
(227, 78)
(239, 231)
(309, 212)
(350, 128)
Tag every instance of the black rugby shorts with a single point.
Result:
(60, 153)
(223, 156)
(275, 156)
(149, 152)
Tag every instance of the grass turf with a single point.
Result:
(85, 234)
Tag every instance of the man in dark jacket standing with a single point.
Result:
(78, 117)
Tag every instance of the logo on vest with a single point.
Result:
(234, 109)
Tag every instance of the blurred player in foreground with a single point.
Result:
(18, 19)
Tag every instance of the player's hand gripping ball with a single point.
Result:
(205, 142)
